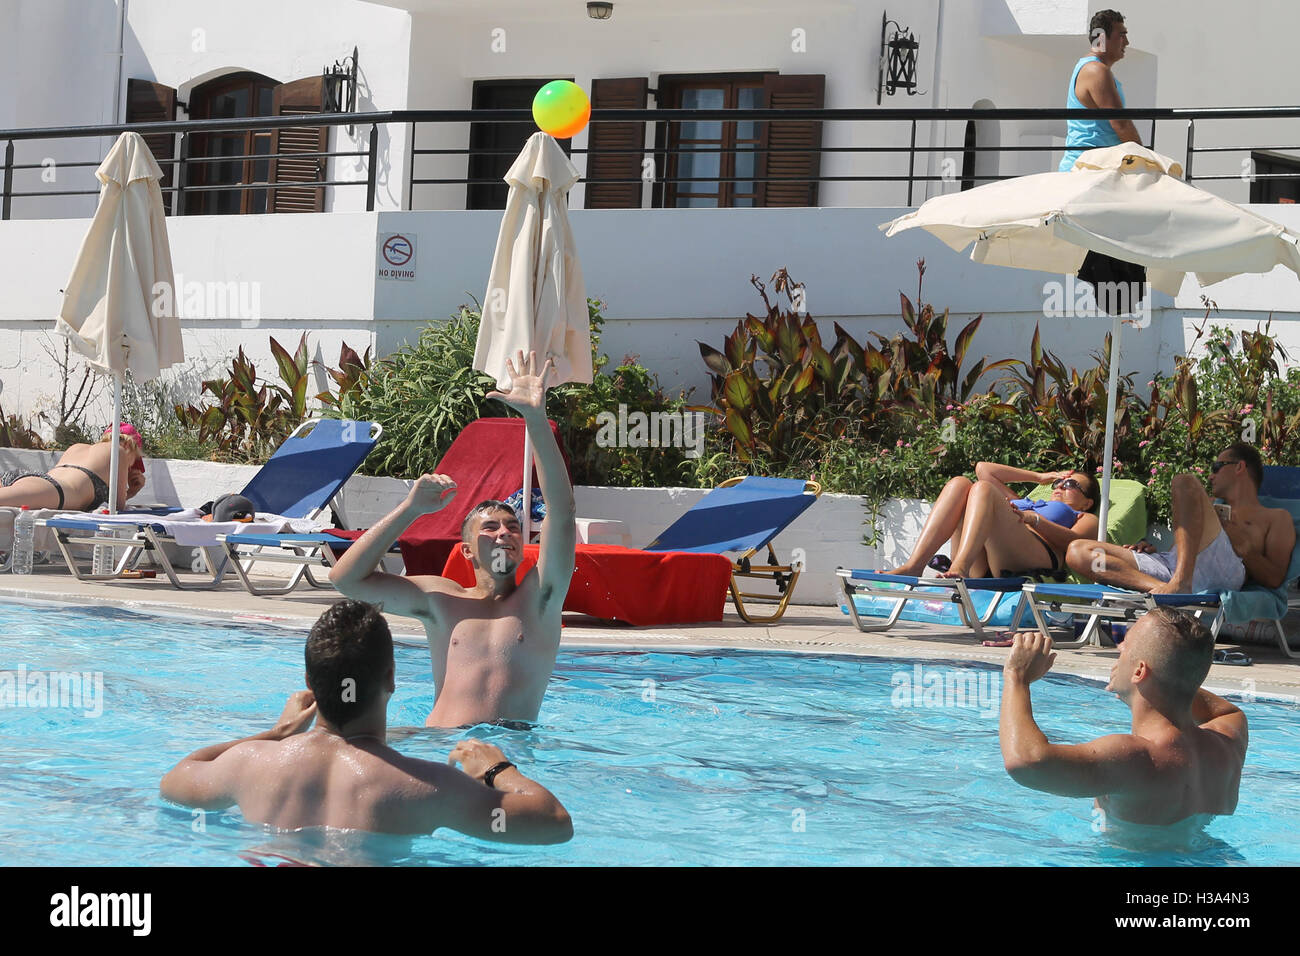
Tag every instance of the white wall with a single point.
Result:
(671, 278)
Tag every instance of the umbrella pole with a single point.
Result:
(116, 451)
(1111, 392)
(528, 486)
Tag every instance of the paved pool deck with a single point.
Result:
(804, 629)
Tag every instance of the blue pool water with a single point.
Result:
(705, 758)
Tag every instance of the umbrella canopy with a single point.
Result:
(1123, 201)
(535, 297)
(119, 307)
(1126, 202)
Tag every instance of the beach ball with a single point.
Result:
(561, 109)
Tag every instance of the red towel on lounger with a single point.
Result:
(487, 461)
(635, 587)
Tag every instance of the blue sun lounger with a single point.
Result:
(1107, 605)
(745, 514)
(965, 595)
(298, 482)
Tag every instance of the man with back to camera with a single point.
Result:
(1093, 86)
(493, 646)
(1181, 760)
(343, 774)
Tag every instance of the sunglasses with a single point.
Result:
(1065, 484)
(1214, 469)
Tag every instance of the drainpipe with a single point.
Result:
(938, 60)
(121, 61)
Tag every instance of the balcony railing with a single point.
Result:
(22, 181)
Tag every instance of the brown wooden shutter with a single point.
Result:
(148, 102)
(620, 94)
(783, 93)
(305, 97)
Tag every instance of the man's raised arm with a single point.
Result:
(1106, 765)
(357, 573)
(559, 531)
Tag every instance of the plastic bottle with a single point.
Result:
(24, 536)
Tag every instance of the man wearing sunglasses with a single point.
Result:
(1214, 549)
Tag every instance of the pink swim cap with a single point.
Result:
(126, 428)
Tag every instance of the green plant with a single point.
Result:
(250, 417)
(350, 377)
(15, 433)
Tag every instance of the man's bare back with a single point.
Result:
(343, 775)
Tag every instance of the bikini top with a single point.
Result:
(1057, 512)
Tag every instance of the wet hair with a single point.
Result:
(1179, 649)
(349, 651)
(480, 509)
(1103, 20)
(1249, 455)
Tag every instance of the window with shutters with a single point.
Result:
(711, 163)
(720, 163)
(235, 158)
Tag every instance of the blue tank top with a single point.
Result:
(1057, 512)
(1081, 134)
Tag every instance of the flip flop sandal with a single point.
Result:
(1235, 658)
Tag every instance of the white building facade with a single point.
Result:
(672, 265)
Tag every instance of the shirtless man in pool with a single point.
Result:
(1180, 762)
(493, 645)
(343, 774)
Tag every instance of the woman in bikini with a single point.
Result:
(79, 482)
(994, 532)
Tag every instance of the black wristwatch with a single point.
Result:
(489, 778)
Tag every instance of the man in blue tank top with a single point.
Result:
(1093, 86)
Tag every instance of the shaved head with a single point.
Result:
(1176, 647)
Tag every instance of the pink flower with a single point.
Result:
(1153, 471)
(949, 408)
(899, 443)
(1144, 443)
(908, 445)
(1246, 408)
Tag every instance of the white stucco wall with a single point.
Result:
(670, 278)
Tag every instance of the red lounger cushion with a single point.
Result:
(487, 461)
(640, 588)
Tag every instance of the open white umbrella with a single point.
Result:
(119, 307)
(535, 297)
(1126, 202)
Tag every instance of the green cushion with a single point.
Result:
(1126, 523)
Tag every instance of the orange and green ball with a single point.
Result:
(561, 108)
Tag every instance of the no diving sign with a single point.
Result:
(396, 259)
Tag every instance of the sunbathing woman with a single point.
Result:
(79, 482)
(993, 531)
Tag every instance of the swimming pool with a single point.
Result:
(684, 758)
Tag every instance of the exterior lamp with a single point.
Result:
(898, 56)
(341, 86)
(600, 10)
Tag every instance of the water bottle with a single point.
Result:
(24, 535)
(102, 557)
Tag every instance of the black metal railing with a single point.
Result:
(184, 161)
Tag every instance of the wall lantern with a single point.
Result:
(341, 86)
(898, 57)
(600, 10)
